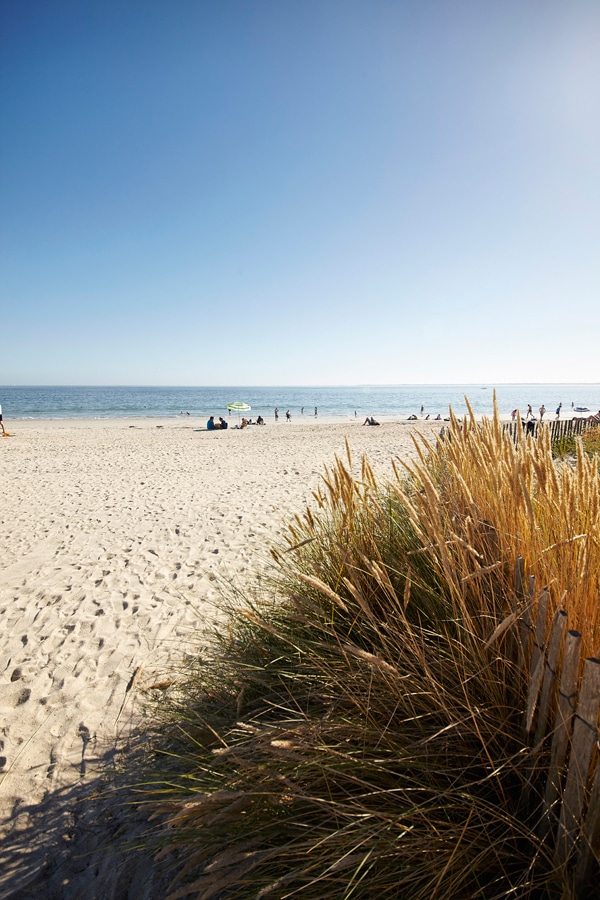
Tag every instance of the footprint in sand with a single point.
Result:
(23, 697)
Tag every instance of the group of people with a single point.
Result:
(245, 422)
(221, 425)
(530, 417)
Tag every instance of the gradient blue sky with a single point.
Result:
(299, 191)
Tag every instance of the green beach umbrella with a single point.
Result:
(238, 407)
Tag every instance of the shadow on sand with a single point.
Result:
(82, 841)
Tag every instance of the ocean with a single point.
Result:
(19, 402)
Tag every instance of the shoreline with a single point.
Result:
(198, 423)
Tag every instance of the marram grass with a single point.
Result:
(356, 729)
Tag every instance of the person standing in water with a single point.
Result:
(315, 411)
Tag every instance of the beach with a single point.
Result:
(117, 536)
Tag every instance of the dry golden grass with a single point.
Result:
(479, 499)
(357, 730)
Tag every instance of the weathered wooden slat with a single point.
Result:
(585, 736)
(590, 843)
(549, 683)
(520, 598)
(536, 669)
(520, 578)
(562, 730)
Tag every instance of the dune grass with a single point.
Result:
(567, 446)
(356, 729)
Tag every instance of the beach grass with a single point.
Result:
(567, 446)
(355, 728)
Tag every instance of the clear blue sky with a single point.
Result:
(299, 191)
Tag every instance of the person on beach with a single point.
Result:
(529, 412)
(211, 425)
(370, 421)
(422, 409)
(4, 431)
(302, 411)
(514, 414)
(260, 420)
(558, 409)
(315, 411)
(222, 423)
(288, 416)
(276, 413)
(542, 411)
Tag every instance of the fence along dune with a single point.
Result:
(364, 725)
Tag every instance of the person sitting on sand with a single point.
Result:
(412, 418)
(211, 425)
(438, 418)
(4, 431)
(244, 423)
(370, 421)
(260, 420)
(222, 423)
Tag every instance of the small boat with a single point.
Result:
(582, 409)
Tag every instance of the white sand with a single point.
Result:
(114, 535)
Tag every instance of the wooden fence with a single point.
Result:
(559, 428)
(561, 731)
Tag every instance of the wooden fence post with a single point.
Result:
(590, 837)
(524, 617)
(536, 668)
(585, 735)
(562, 730)
(548, 686)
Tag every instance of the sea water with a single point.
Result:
(19, 402)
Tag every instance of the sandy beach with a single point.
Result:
(115, 535)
